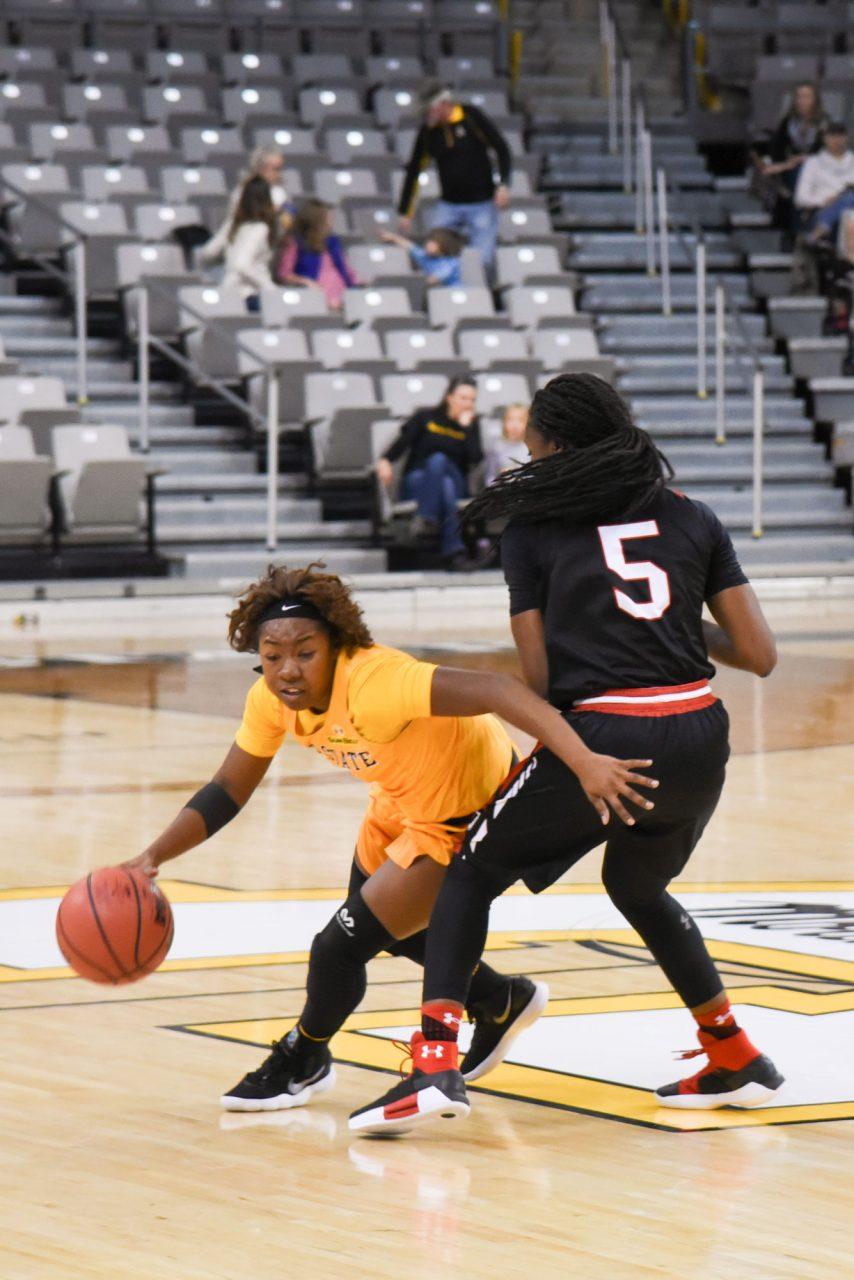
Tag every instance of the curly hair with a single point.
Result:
(326, 591)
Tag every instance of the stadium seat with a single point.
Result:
(372, 262)
(485, 347)
(318, 103)
(99, 103)
(495, 390)
(160, 221)
(411, 347)
(516, 264)
(447, 306)
(25, 479)
(280, 305)
(337, 349)
(252, 68)
(163, 265)
(102, 484)
(530, 305)
(287, 351)
(375, 303)
(406, 392)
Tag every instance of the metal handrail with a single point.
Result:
(79, 277)
(268, 423)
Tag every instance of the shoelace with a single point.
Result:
(681, 1054)
(272, 1059)
(407, 1063)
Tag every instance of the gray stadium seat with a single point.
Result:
(159, 221)
(101, 103)
(103, 484)
(372, 262)
(406, 392)
(252, 68)
(259, 104)
(393, 104)
(25, 479)
(411, 347)
(284, 303)
(530, 305)
(318, 103)
(447, 306)
(176, 105)
(375, 303)
(287, 350)
(326, 393)
(485, 347)
(163, 265)
(211, 146)
(115, 182)
(18, 395)
(333, 185)
(105, 227)
(495, 390)
(515, 264)
(336, 349)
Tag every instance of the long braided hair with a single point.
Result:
(605, 465)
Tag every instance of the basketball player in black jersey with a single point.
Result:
(608, 571)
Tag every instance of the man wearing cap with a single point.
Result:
(459, 137)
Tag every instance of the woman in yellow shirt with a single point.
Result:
(424, 740)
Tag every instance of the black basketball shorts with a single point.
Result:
(540, 823)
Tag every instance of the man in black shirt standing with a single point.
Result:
(459, 137)
(608, 571)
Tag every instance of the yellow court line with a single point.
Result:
(190, 891)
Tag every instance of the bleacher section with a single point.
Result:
(134, 120)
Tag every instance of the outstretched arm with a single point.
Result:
(605, 781)
(740, 636)
(208, 810)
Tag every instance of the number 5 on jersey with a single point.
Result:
(612, 537)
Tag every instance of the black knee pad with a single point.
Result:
(354, 933)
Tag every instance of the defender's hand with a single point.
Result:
(607, 782)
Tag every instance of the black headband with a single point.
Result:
(290, 607)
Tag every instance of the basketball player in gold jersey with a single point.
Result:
(422, 737)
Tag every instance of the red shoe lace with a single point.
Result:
(407, 1064)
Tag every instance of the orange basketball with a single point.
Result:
(114, 926)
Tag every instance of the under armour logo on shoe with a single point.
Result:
(346, 921)
(451, 1020)
(722, 1018)
(435, 1051)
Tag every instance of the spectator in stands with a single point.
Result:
(313, 256)
(459, 137)
(825, 187)
(510, 450)
(441, 445)
(438, 257)
(247, 242)
(798, 135)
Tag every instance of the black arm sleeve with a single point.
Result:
(405, 438)
(522, 571)
(215, 806)
(413, 169)
(724, 569)
(496, 140)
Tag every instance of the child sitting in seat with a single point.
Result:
(314, 256)
(438, 257)
(510, 450)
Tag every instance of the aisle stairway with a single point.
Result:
(211, 508)
(808, 524)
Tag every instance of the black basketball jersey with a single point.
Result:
(622, 602)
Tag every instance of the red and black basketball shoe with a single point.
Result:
(732, 1077)
(435, 1089)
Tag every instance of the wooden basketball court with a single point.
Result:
(117, 1161)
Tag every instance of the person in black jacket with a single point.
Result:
(459, 137)
(441, 446)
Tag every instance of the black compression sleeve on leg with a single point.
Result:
(337, 971)
(215, 806)
(668, 930)
(458, 929)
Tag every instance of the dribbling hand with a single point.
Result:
(144, 863)
(607, 782)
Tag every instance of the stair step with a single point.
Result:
(236, 566)
(254, 530)
(794, 549)
(742, 473)
(42, 345)
(681, 382)
(192, 509)
(183, 437)
(206, 461)
(122, 413)
(215, 484)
